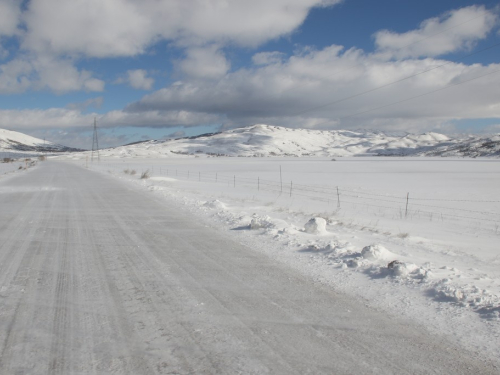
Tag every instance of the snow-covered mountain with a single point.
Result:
(471, 147)
(15, 141)
(265, 140)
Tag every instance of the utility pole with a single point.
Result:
(95, 143)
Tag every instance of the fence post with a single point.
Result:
(215, 176)
(291, 186)
(407, 198)
(281, 181)
(338, 198)
(258, 183)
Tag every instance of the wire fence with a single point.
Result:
(19, 155)
(404, 206)
(10, 164)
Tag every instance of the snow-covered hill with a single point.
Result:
(15, 141)
(265, 140)
(472, 147)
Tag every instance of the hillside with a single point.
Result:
(265, 140)
(11, 141)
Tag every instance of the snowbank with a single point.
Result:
(317, 225)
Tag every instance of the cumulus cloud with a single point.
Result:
(453, 31)
(138, 79)
(41, 72)
(265, 58)
(89, 103)
(15, 76)
(62, 76)
(73, 117)
(204, 62)
(71, 127)
(92, 28)
(113, 28)
(308, 90)
(10, 13)
(67, 31)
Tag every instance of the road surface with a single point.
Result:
(97, 277)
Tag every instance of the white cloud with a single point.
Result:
(72, 117)
(15, 76)
(71, 127)
(61, 76)
(93, 28)
(138, 79)
(19, 120)
(92, 102)
(64, 32)
(10, 13)
(41, 72)
(454, 31)
(99, 28)
(266, 58)
(299, 92)
(204, 62)
(293, 91)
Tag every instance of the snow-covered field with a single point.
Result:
(10, 167)
(416, 237)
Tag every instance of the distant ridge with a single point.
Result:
(19, 142)
(266, 140)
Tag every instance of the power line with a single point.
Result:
(413, 43)
(394, 82)
(417, 96)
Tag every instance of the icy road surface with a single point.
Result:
(96, 278)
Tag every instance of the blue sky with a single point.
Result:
(157, 69)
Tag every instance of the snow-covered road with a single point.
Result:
(97, 277)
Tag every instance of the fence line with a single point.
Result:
(334, 194)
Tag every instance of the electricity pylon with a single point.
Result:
(95, 143)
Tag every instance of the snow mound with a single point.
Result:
(259, 222)
(215, 204)
(355, 262)
(403, 269)
(161, 178)
(445, 291)
(480, 300)
(317, 225)
(376, 252)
